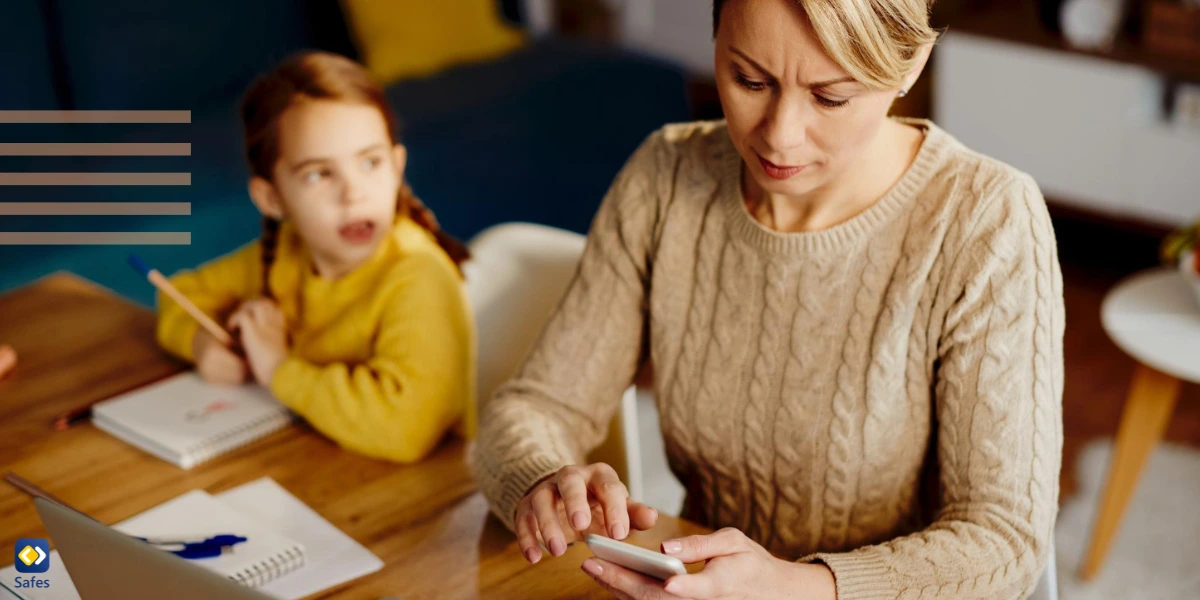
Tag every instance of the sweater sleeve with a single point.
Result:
(399, 403)
(215, 288)
(558, 406)
(999, 379)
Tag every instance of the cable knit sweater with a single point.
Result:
(883, 396)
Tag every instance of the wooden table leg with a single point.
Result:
(1147, 410)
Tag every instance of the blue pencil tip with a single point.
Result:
(139, 265)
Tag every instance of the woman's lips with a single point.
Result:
(775, 171)
(357, 232)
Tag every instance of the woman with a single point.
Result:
(855, 324)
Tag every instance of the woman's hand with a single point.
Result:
(576, 501)
(737, 568)
(216, 362)
(263, 333)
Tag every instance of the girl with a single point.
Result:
(350, 308)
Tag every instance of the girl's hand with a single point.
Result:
(216, 362)
(263, 333)
(576, 501)
(737, 568)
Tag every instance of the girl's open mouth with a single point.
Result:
(357, 232)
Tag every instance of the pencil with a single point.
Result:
(159, 281)
(71, 417)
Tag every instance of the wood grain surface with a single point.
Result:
(428, 523)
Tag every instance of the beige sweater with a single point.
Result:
(883, 396)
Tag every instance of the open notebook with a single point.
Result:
(264, 556)
(186, 421)
(330, 556)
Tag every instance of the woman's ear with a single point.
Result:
(266, 198)
(400, 158)
(920, 66)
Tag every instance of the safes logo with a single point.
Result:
(33, 555)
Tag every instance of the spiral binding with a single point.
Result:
(235, 438)
(262, 573)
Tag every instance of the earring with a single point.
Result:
(902, 94)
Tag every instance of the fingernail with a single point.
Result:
(671, 587)
(592, 568)
(579, 520)
(655, 512)
(557, 547)
(671, 547)
(618, 532)
(532, 555)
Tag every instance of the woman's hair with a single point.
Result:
(877, 42)
(318, 76)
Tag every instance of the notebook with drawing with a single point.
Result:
(186, 421)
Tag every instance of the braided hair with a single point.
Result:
(319, 75)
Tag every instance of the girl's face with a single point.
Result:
(797, 119)
(336, 181)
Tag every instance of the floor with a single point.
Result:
(1154, 552)
(1095, 253)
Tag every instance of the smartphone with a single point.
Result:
(646, 562)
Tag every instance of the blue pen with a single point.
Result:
(192, 549)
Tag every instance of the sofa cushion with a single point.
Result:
(411, 38)
(26, 71)
(133, 54)
(535, 136)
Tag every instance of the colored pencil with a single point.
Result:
(160, 281)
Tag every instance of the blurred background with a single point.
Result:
(524, 110)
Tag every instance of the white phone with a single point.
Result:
(646, 562)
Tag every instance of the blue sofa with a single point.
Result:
(534, 136)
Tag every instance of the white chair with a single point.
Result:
(516, 276)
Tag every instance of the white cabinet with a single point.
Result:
(1089, 130)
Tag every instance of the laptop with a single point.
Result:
(106, 564)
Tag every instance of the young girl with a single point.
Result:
(350, 308)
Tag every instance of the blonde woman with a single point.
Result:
(856, 330)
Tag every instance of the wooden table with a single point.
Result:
(77, 342)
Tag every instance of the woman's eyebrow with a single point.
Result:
(752, 62)
(815, 84)
(371, 148)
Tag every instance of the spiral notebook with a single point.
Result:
(185, 420)
(331, 557)
(265, 555)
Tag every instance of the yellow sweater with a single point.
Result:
(382, 360)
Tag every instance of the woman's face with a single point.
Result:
(337, 179)
(798, 120)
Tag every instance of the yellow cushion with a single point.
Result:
(411, 38)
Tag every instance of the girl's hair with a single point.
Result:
(319, 76)
(877, 42)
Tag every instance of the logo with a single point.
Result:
(32, 555)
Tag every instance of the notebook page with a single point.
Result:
(331, 557)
